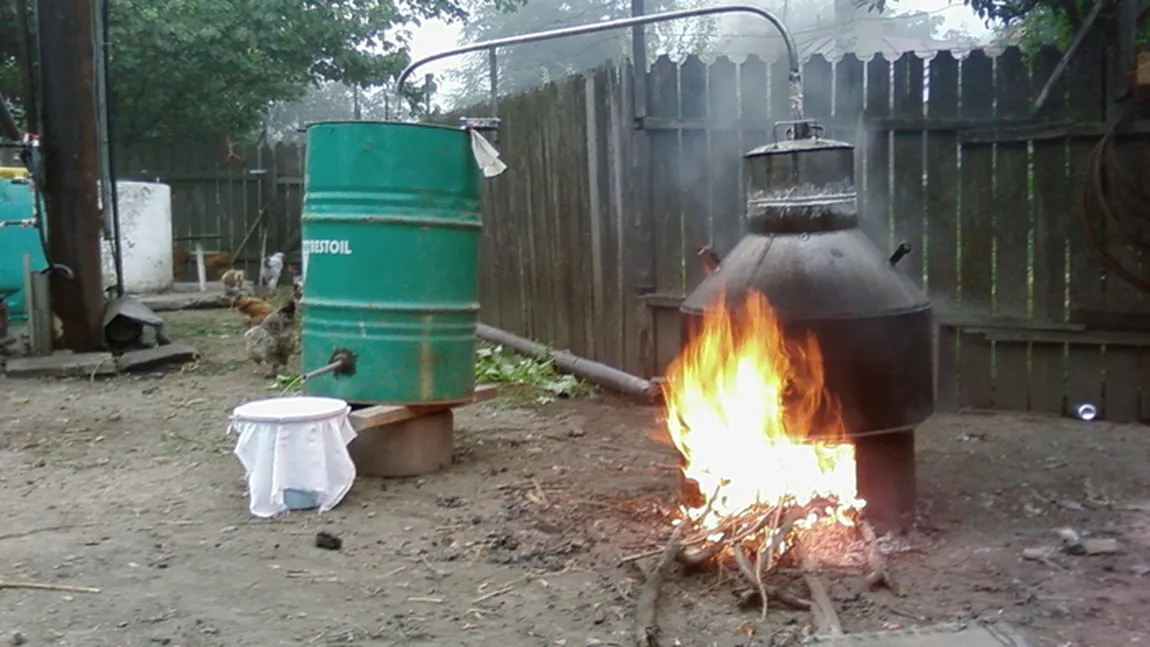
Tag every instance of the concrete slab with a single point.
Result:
(63, 365)
(170, 301)
(149, 358)
(959, 634)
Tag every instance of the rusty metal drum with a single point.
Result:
(390, 257)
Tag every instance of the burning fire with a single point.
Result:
(749, 412)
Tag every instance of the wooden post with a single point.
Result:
(68, 110)
(201, 269)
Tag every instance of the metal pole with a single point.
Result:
(492, 80)
(428, 80)
(69, 145)
(103, 143)
(639, 60)
(579, 30)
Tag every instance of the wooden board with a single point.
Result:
(387, 414)
(1084, 363)
(874, 196)
(1052, 210)
(942, 223)
(1011, 229)
(977, 186)
(907, 206)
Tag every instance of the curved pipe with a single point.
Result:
(578, 30)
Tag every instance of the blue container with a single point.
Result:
(300, 500)
(17, 203)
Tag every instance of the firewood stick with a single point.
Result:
(748, 573)
(826, 619)
(48, 587)
(878, 575)
(697, 557)
(646, 629)
(768, 556)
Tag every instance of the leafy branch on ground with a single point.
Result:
(495, 364)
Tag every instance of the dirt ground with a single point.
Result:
(128, 485)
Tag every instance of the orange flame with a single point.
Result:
(748, 410)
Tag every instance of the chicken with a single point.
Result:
(255, 309)
(217, 264)
(270, 271)
(273, 340)
(233, 282)
(180, 258)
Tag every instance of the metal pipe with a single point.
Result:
(111, 134)
(579, 30)
(99, 61)
(592, 371)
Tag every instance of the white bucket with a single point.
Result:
(294, 451)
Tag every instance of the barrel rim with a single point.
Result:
(374, 122)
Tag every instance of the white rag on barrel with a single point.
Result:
(306, 455)
(486, 155)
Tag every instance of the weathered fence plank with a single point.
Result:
(874, 207)
(1084, 380)
(942, 223)
(907, 207)
(724, 163)
(666, 159)
(1052, 211)
(976, 257)
(695, 168)
(1011, 226)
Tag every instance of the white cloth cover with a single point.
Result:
(297, 443)
(486, 155)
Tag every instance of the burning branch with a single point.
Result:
(826, 618)
(646, 629)
(878, 575)
(779, 595)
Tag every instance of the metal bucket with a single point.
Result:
(390, 255)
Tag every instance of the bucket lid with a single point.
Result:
(293, 409)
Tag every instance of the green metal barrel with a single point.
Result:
(390, 255)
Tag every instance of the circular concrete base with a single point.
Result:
(409, 448)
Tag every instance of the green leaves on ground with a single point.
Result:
(498, 365)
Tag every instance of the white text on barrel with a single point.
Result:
(326, 247)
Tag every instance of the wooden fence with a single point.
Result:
(589, 238)
(225, 197)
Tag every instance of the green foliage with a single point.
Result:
(187, 70)
(497, 365)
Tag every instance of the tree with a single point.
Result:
(330, 101)
(195, 69)
(525, 66)
(1029, 23)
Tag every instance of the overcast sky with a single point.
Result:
(436, 36)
